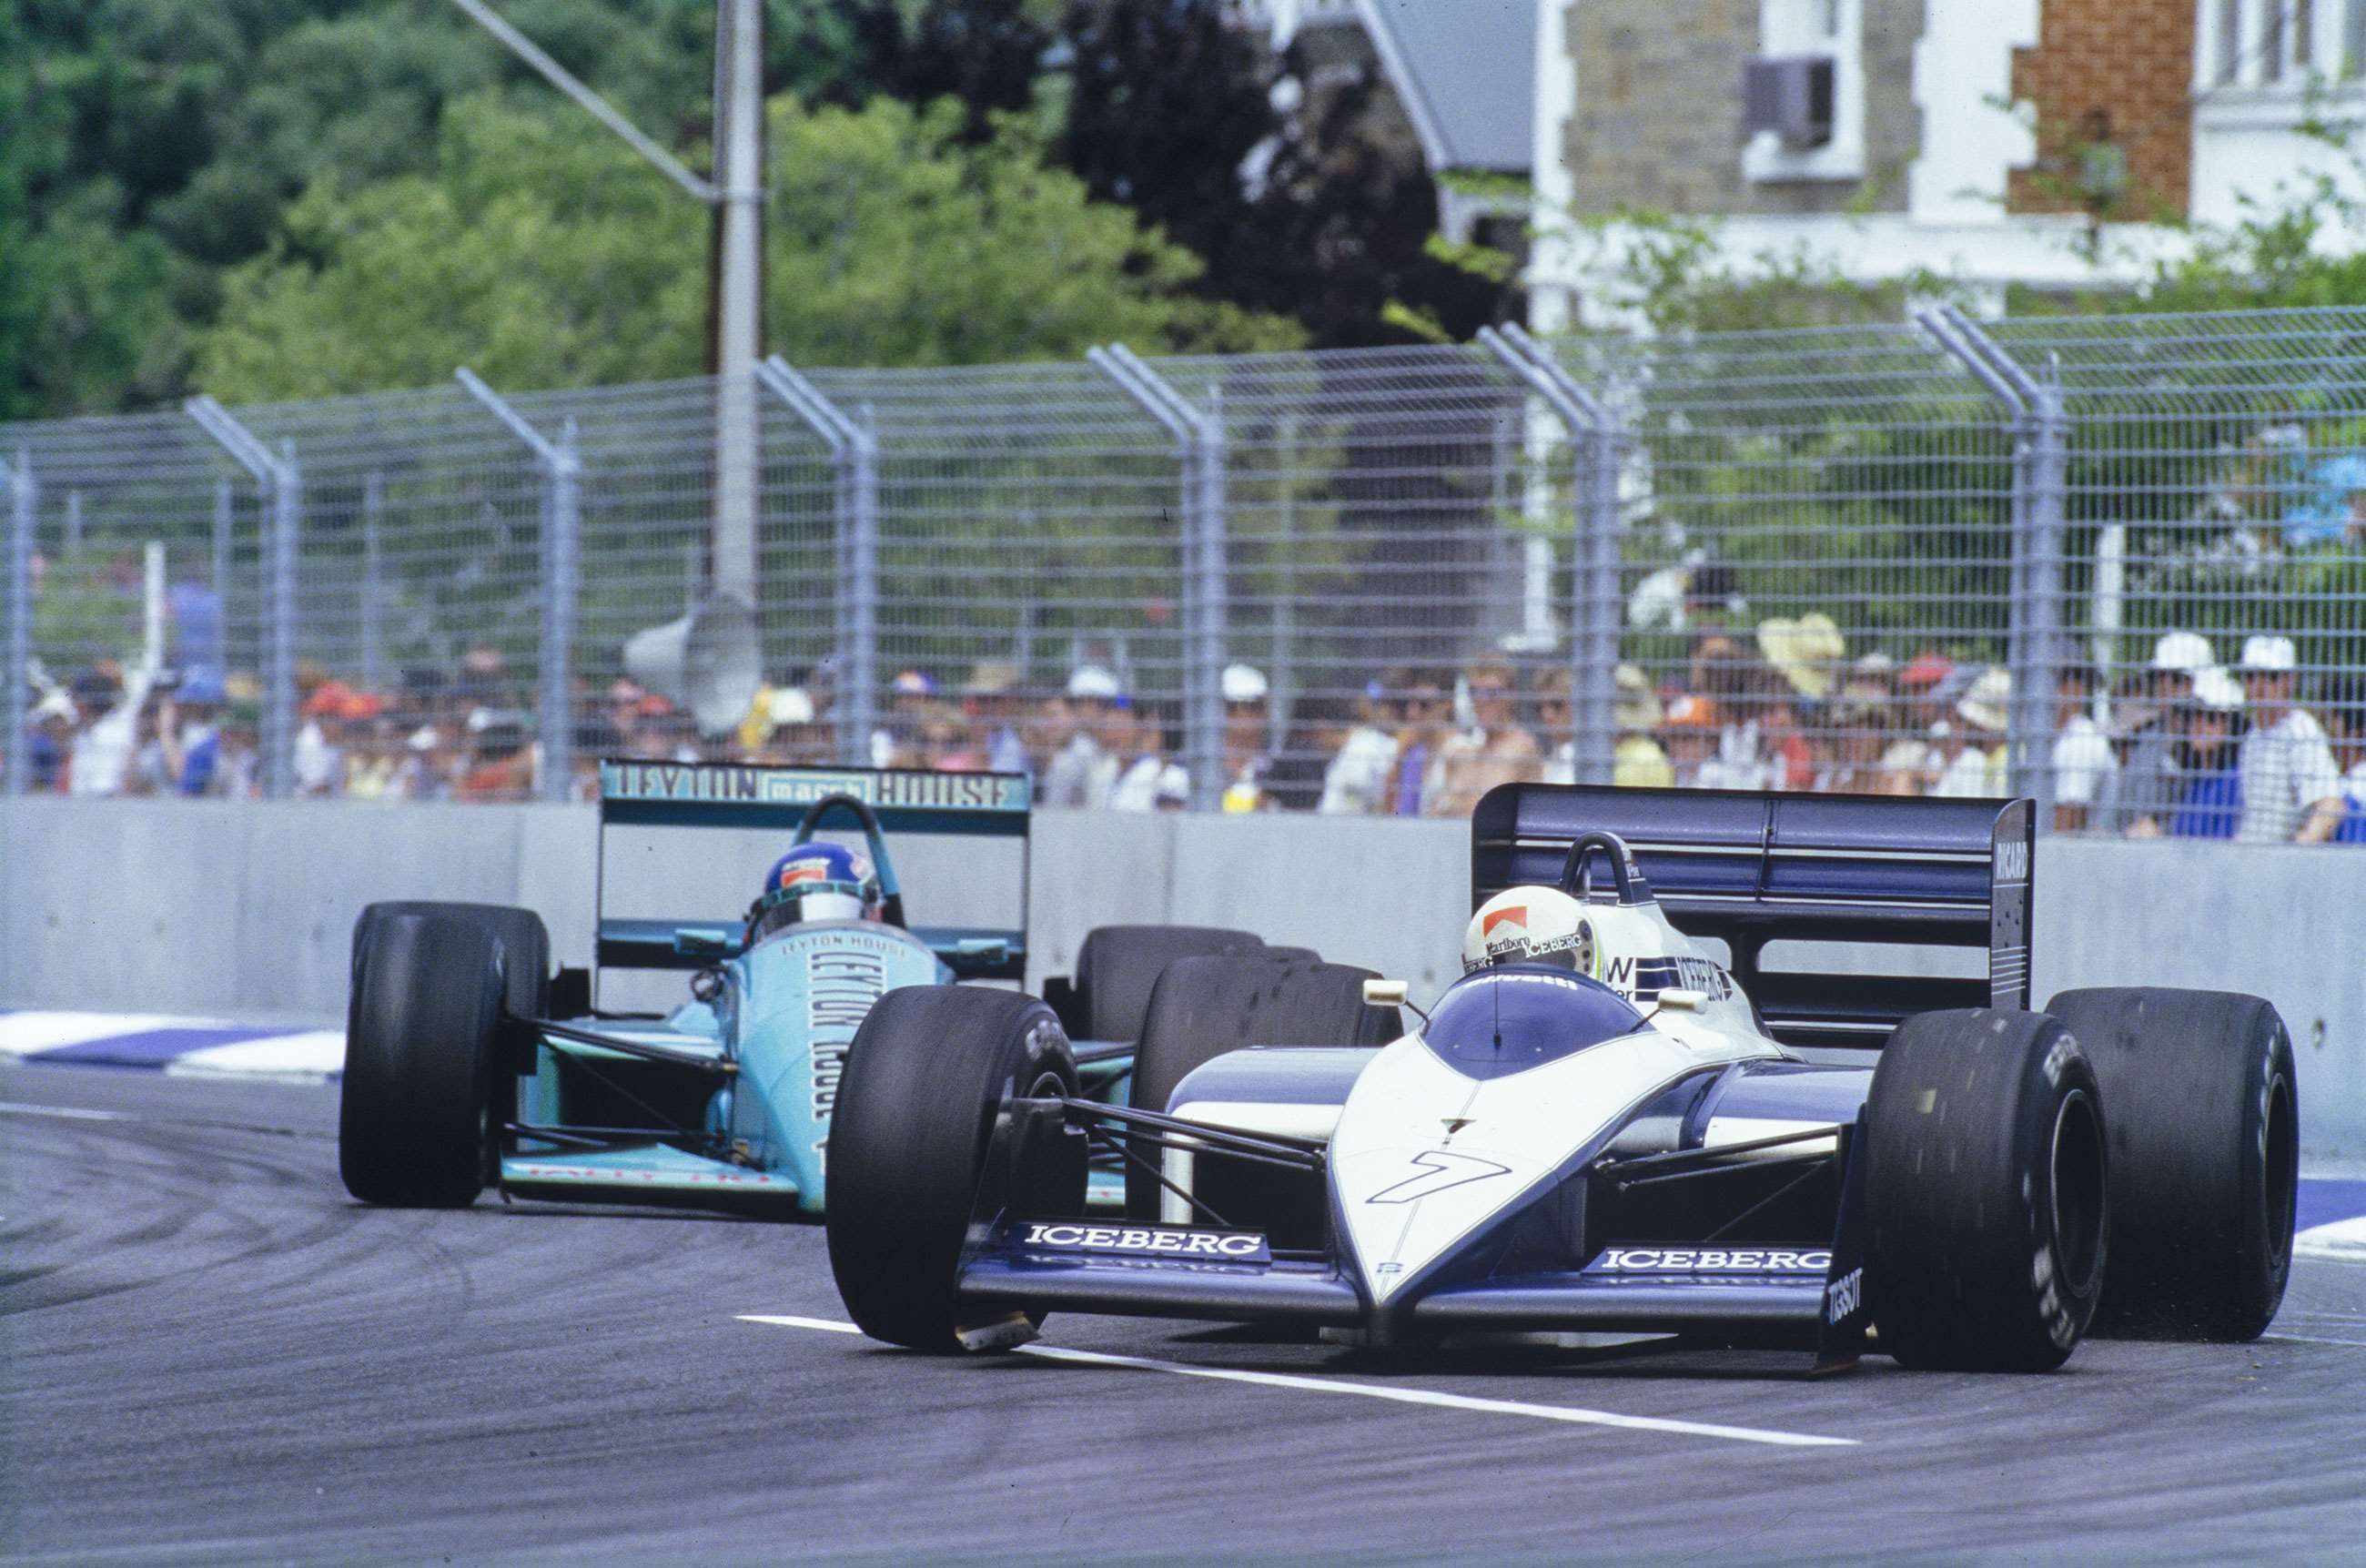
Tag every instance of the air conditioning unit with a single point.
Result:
(1790, 95)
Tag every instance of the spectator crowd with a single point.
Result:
(2183, 746)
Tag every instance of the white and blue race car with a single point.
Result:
(1652, 1104)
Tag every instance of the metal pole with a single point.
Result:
(286, 524)
(854, 501)
(1215, 579)
(558, 618)
(278, 479)
(224, 512)
(1597, 443)
(21, 497)
(373, 607)
(739, 278)
(1285, 602)
(2033, 420)
(1200, 449)
(863, 675)
(561, 470)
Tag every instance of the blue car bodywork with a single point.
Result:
(726, 1100)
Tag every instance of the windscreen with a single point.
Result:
(1497, 1021)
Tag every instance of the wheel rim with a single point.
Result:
(2279, 1142)
(2076, 1180)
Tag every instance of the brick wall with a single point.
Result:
(2120, 68)
(1659, 108)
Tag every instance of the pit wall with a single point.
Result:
(245, 910)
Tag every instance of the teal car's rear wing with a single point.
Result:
(727, 795)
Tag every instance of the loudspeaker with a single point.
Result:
(708, 662)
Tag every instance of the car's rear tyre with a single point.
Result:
(524, 938)
(2206, 1158)
(926, 1076)
(1118, 968)
(416, 1118)
(1987, 1223)
(1205, 1007)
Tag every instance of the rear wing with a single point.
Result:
(634, 793)
(1749, 868)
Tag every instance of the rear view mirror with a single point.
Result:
(1678, 1000)
(1384, 993)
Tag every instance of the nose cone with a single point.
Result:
(1426, 1157)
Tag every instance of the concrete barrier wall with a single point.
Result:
(246, 909)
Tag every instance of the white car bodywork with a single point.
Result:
(1423, 1154)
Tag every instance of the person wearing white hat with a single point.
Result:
(2291, 791)
(2141, 796)
(1245, 692)
(1082, 771)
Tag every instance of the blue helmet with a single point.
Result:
(817, 882)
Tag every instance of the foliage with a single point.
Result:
(543, 258)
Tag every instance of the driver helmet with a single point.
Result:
(817, 882)
(1529, 925)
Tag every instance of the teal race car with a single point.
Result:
(470, 1063)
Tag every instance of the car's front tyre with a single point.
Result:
(415, 1117)
(1986, 1215)
(927, 1076)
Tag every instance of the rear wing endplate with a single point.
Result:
(1749, 868)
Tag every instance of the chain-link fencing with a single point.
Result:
(2117, 564)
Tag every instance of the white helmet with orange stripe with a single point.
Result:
(1529, 925)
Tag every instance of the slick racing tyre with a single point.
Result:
(1119, 967)
(926, 1076)
(2206, 1158)
(1985, 1221)
(1205, 1007)
(524, 939)
(415, 1122)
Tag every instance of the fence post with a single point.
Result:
(1597, 443)
(278, 479)
(224, 512)
(373, 608)
(1199, 444)
(561, 470)
(2035, 420)
(22, 494)
(855, 507)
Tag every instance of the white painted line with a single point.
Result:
(828, 1326)
(308, 1056)
(2311, 1339)
(24, 1032)
(1429, 1397)
(65, 1113)
(2344, 1241)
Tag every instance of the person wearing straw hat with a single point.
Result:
(1637, 761)
(2291, 791)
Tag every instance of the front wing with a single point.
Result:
(1809, 1297)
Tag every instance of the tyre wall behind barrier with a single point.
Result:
(247, 909)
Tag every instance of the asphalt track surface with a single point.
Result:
(209, 1353)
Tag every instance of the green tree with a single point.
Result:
(547, 255)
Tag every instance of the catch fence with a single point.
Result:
(1940, 555)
